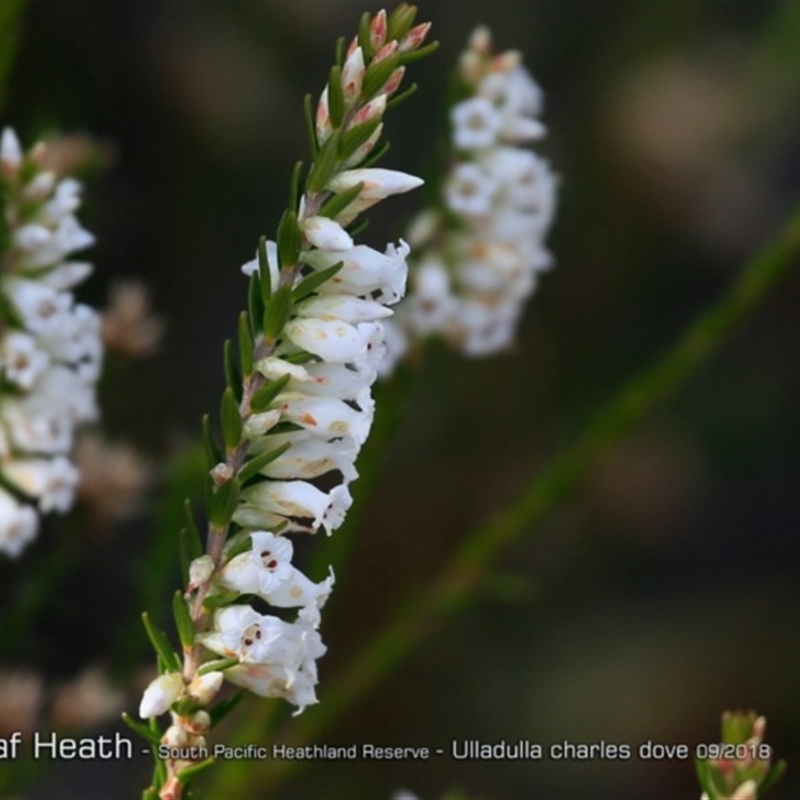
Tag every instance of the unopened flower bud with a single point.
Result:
(198, 723)
(200, 571)
(203, 689)
(161, 694)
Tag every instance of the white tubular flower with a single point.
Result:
(50, 347)
(277, 659)
(478, 264)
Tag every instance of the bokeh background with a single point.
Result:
(664, 591)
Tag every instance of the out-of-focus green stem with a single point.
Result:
(426, 608)
(10, 26)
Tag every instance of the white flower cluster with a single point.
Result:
(50, 348)
(306, 408)
(479, 257)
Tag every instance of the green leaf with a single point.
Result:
(224, 707)
(188, 773)
(363, 37)
(231, 418)
(400, 21)
(213, 454)
(416, 55)
(245, 345)
(161, 645)
(183, 621)
(183, 554)
(294, 192)
(314, 280)
(233, 378)
(255, 303)
(141, 729)
(284, 427)
(357, 227)
(398, 98)
(267, 393)
(223, 503)
(278, 312)
(341, 45)
(377, 154)
(339, 202)
(335, 97)
(289, 239)
(193, 539)
(214, 601)
(257, 463)
(264, 276)
(325, 164)
(219, 665)
(150, 793)
(378, 73)
(772, 777)
(354, 137)
(311, 127)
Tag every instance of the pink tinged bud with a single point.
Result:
(353, 75)
(204, 688)
(323, 120)
(326, 234)
(360, 154)
(387, 50)
(352, 47)
(374, 108)
(378, 183)
(377, 30)
(198, 723)
(161, 694)
(396, 78)
(415, 37)
(175, 736)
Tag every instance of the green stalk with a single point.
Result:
(424, 610)
(11, 12)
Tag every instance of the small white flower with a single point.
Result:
(470, 190)
(21, 360)
(476, 124)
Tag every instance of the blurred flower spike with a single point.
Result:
(740, 767)
(478, 253)
(50, 347)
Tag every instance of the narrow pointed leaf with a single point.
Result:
(161, 644)
(245, 345)
(256, 464)
(314, 280)
(223, 503)
(339, 202)
(267, 393)
(141, 729)
(183, 621)
(231, 420)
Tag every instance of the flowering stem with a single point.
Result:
(423, 610)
